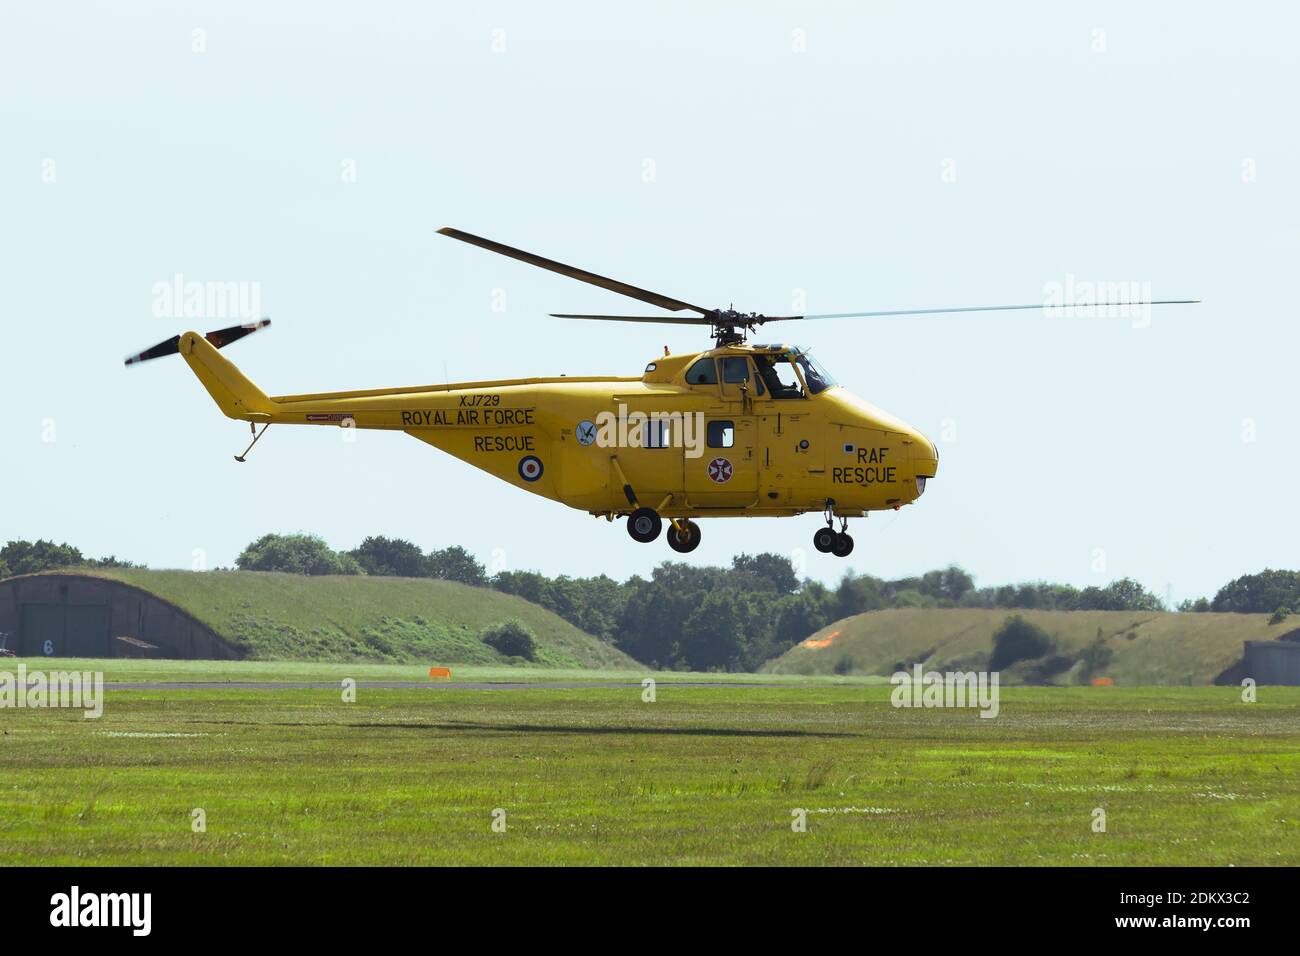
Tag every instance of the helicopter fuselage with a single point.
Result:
(707, 434)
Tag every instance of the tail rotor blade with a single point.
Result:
(219, 339)
(169, 347)
(223, 337)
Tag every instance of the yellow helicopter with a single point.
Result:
(738, 430)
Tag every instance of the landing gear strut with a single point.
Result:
(829, 541)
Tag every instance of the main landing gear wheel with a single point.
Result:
(824, 540)
(842, 547)
(644, 525)
(686, 542)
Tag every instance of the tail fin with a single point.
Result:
(236, 396)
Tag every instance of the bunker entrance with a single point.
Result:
(64, 630)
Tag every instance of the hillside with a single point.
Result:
(294, 617)
(1145, 647)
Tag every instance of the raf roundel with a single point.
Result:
(720, 470)
(530, 468)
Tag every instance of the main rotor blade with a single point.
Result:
(613, 285)
(976, 308)
(664, 319)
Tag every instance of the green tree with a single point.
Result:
(769, 571)
(1260, 593)
(296, 554)
(651, 625)
(456, 564)
(529, 585)
(112, 561)
(1018, 640)
(857, 594)
(799, 615)
(391, 557)
(911, 597)
(28, 557)
(950, 584)
(714, 634)
(511, 639)
(1122, 595)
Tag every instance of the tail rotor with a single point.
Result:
(219, 339)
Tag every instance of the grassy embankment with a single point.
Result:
(380, 619)
(1144, 647)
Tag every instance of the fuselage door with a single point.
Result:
(722, 472)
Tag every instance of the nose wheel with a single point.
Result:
(829, 541)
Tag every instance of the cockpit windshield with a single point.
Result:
(818, 378)
(776, 373)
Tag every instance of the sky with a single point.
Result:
(839, 156)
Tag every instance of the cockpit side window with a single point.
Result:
(779, 376)
(703, 372)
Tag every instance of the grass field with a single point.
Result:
(702, 775)
(1145, 647)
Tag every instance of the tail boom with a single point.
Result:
(235, 395)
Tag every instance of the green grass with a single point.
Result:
(703, 775)
(1146, 647)
(381, 619)
(129, 670)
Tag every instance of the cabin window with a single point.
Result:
(721, 434)
(703, 372)
(658, 433)
(735, 370)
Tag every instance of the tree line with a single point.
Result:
(701, 618)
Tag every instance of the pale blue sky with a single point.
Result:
(775, 170)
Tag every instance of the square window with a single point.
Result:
(721, 434)
(735, 370)
(658, 433)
